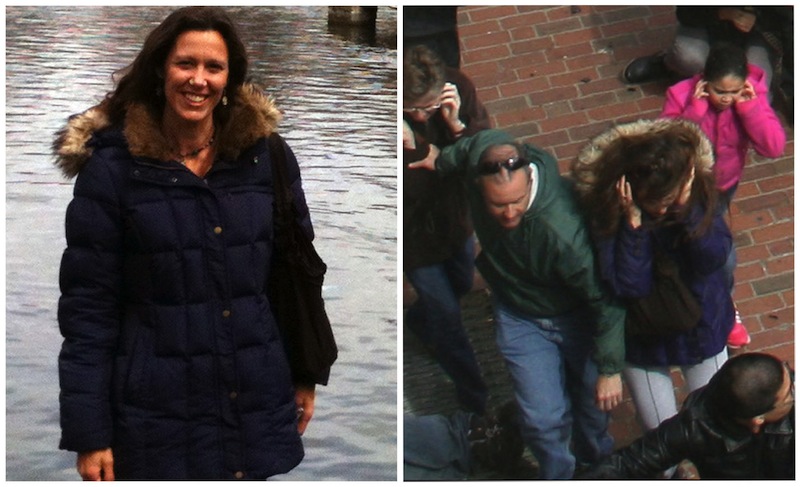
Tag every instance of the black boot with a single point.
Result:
(646, 68)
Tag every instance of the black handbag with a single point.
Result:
(668, 310)
(295, 285)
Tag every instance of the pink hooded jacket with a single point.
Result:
(733, 130)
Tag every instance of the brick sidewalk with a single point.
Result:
(550, 77)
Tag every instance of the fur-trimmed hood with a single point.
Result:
(254, 115)
(591, 153)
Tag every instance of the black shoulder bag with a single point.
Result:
(668, 310)
(295, 285)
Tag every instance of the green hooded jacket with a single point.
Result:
(545, 267)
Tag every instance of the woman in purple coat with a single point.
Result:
(649, 187)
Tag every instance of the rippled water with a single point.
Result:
(339, 96)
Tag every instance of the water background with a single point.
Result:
(338, 93)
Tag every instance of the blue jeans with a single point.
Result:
(435, 317)
(554, 381)
(436, 447)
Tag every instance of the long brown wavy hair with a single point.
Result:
(143, 80)
(655, 164)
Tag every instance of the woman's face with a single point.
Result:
(195, 75)
(674, 200)
(724, 92)
(659, 208)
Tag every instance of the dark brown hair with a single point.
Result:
(423, 72)
(143, 80)
(655, 164)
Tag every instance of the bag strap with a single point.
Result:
(664, 263)
(280, 182)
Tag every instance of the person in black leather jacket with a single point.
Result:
(740, 426)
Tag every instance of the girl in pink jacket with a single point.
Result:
(730, 103)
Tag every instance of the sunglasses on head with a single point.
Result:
(493, 167)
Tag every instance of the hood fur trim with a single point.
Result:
(592, 152)
(71, 146)
(253, 116)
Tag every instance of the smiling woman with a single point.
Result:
(195, 76)
(172, 366)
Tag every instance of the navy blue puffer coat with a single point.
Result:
(171, 355)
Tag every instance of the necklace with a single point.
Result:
(182, 156)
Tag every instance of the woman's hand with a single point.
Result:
(609, 392)
(304, 399)
(96, 465)
(451, 106)
(429, 162)
(632, 212)
(741, 19)
(700, 89)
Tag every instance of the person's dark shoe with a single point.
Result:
(646, 68)
(496, 441)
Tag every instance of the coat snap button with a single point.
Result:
(233, 395)
(226, 313)
(217, 230)
(255, 160)
(239, 475)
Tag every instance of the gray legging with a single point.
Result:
(653, 392)
(689, 51)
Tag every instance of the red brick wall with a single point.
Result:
(550, 74)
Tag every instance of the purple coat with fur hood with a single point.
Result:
(171, 355)
(626, 262)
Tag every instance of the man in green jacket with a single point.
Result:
(559, 331)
